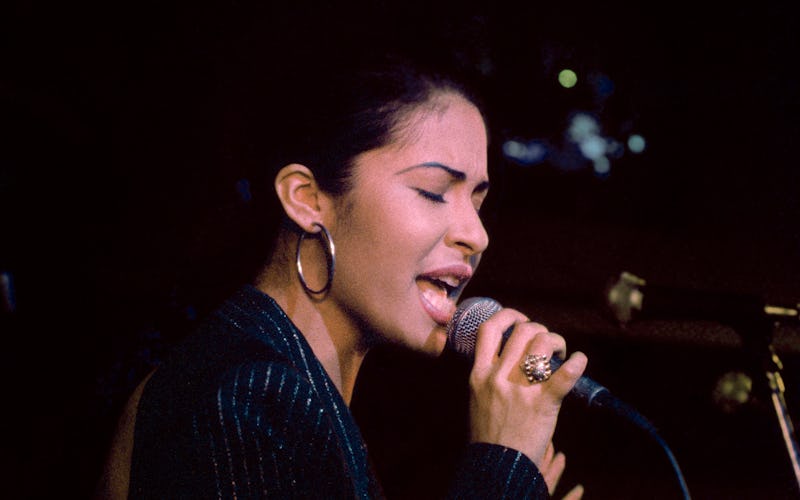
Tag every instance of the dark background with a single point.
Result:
(112, 201)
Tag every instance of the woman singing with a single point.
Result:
(380, 196)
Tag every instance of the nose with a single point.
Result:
(467, 232)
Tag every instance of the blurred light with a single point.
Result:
(584, 143)
(603, 85)
(593, 147)
(513, 149)
(732, 391)
(582, 126)
(567, 78)
(526, 154)
(636, 143)
(602, 165)
(584, 131)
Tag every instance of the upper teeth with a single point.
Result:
(449, 281)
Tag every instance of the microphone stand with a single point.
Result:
(750, 317)
(771, 365)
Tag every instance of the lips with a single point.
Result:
(439, 290)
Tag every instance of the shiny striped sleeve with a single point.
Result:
(264, 433)
(496, 472)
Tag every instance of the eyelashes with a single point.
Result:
(434, 197)
(439, 198)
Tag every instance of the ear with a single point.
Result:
(301, 197)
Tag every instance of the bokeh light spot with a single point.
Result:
(636, 143)
(593, 147)
(525, 153)
(602, 166)
(567, 78)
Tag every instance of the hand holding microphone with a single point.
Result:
(462, 334)
(505, 407)
(497, 338)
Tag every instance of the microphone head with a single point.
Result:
(462, 331)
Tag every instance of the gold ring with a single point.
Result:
(536, 368)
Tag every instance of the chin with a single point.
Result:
(435, 343)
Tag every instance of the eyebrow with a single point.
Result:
(456, 174)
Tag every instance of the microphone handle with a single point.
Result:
(594, 395)
(586, 390)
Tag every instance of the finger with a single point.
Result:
(562, 381)
(549, 344)
(543, 344)
(548, 457)
(575, 493)
(549, 452)
(518, 345)
(555, 468)
(490, 335)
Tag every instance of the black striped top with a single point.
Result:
(243, 409)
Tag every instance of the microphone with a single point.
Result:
(630, 298)
(462, 332)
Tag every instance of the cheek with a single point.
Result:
(408, 234)
(395, 224)
(384, 252)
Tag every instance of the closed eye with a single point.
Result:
(438, 198)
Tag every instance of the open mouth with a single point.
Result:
(438, 295)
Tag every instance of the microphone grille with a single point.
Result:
(462, 331)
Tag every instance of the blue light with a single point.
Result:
(636, 143)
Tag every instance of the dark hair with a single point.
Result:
(316, 100)
(322, 111)
(320, 84)
(326, 118)
(367, 109)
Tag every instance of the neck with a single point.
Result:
(336, 341)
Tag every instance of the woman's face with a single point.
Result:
(408, 235)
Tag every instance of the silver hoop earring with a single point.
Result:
(330, 257)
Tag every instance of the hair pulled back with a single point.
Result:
(319, 94)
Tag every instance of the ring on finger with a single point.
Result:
(536, 368)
